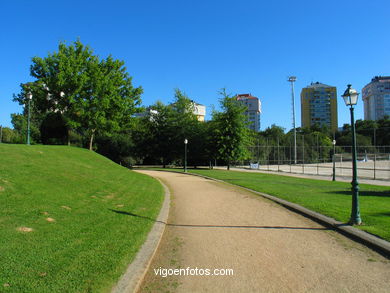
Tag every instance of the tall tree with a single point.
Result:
(231, 132)
(161, 134)
(92, 95)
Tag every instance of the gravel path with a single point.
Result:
(269, 248)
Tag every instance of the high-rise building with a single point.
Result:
(199, 111)
(149, 111)
(253, 105)
(376, 98)
(319, 105)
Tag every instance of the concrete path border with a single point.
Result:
(380, 245)
(132, 278)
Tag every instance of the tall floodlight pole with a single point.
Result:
(292, 79)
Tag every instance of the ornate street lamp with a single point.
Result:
(29, 98)
(185, 154)
(350, 97)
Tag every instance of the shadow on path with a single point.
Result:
(218, 226)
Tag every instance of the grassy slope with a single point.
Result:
(88, 246)
(329, 198)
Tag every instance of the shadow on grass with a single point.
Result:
(386, 214)
(230, 179)
(218, 226)
(363, 193)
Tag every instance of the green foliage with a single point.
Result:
(230, 131)
(94, 96)
(383, 131)
(376, 133)
(19, 122)
(118, 147)
(93, 201)
(323, 128)
(159, 136)
(201, 149)
(274, 133)
(361, 140)
(154, 135)
(366, 127)
(9, 135)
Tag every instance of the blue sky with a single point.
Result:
(203, 46)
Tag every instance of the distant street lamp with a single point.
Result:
(350, 97)
(29, 98)
(185, 154)
(334, 160)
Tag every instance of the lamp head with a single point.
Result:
(350, 96)
(185, 141)
(292, 78)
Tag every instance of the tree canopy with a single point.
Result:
(92, 95)
(230, 132)
(161, 133)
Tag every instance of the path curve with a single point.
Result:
(270, 249)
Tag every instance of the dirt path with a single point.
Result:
(269, 248)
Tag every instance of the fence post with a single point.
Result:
(374, 166)
(290, 158)
(303, 154)
(269, 153)
(278, 155)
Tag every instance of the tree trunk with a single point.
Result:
(91, 139)
(228, 166)
(68, 137)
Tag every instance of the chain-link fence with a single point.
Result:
(372, 162)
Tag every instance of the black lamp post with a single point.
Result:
(185, 154)
(29, 98)
(350, 97)
(334, 160)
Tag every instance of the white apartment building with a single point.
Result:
(376, 98)
(253, 111)
(199, 110)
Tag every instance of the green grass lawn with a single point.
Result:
(329, 198)
(68, 197)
